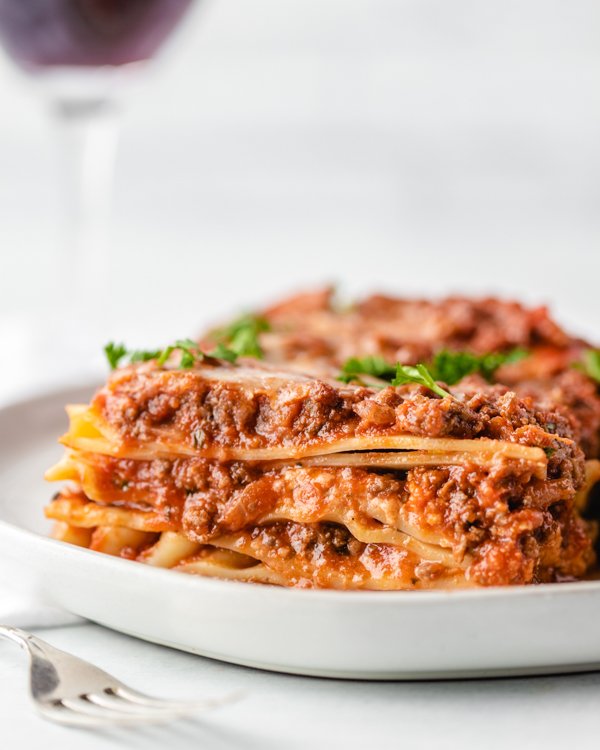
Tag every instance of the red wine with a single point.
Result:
(86, 32)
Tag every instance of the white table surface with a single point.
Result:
(280, 711)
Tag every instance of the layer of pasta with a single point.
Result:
(241, 471)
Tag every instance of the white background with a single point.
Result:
(421, 146)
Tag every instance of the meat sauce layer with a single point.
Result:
(513, 526)
(251, 407)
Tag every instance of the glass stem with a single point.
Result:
(88, 133)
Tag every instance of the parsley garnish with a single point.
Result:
(377, 367)
(239, 339)
(418, 374)
(118, 354)
(242, 336)
(452, 367)
(190, 353)
(222, 352)
(448, 367)
(591, 364)
(397, 374)
(143, 356)
(114, 354)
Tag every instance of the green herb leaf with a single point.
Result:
(143, 356)
(187, 360)
(242, 336)
(186, 344)
(452, 367)
(222, 352)
(190, 353)
(114, 354)
(449, 367)
(399, 374)
(164, 355)
(591, 364)
(418, 374)
(491, 362)
(118, 354)
(377, 367)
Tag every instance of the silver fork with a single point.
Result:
(69, 690)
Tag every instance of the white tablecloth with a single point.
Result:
(280, 711)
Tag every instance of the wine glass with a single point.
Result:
(83, 54)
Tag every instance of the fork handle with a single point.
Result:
(18, 636)
(44, 677)
(34, 646)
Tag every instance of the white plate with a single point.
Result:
(364, 635)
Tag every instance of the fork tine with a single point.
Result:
(62, 715)
(148, 701)
(112, 701)
(69, 690)
(91, 710)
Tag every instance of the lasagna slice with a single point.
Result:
(311, 333)
(312, 330)
(248, 472)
